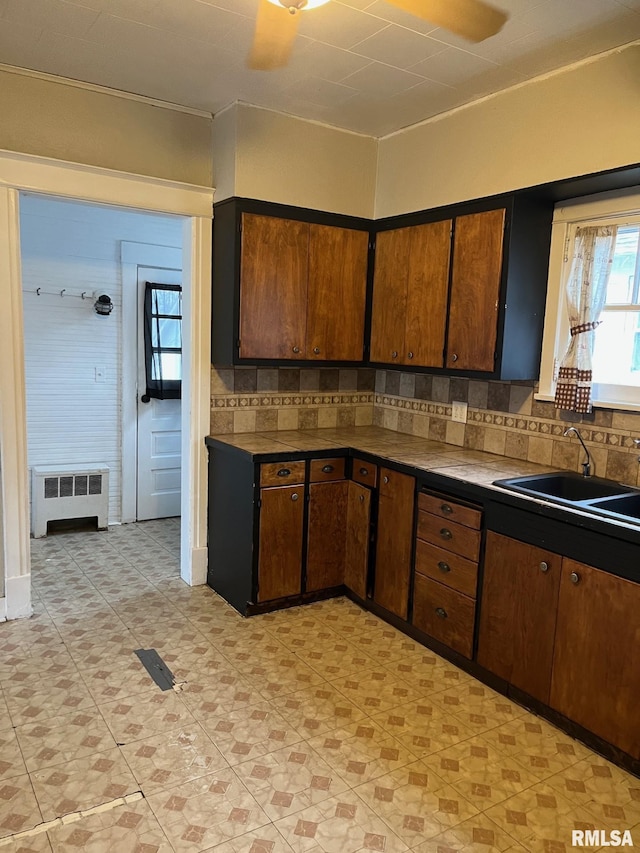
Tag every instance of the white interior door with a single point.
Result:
(158, 423)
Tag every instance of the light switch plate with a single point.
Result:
(459, 412)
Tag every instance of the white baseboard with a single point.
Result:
(18, 597)
(199, 563)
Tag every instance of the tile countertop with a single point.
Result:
(470, 467)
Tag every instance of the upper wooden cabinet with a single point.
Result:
(465, 292)
(287, 289)
(411, 282)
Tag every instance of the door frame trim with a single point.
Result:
(28, 173)
(132, 256)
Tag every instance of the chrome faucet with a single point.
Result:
(586, 465)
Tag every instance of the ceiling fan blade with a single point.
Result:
(274, 37)
(471, 19)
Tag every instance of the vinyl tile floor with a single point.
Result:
(318, 729)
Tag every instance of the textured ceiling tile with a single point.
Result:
(398, 46)
(382, 80)
(328, 62)
(452, 66)
(51, 15)
(339, 25)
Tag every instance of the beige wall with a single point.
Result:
(579, 121)
(291, 161)
(225, 135)
(53, 119)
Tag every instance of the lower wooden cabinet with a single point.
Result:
(356, 563)
(444, 614)
(280, 542)
(596, 659)
(518, 613)
(327, 534)
(394, 541)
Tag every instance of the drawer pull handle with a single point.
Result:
(544, 566)
(294, 496)
(394, 354)
(327, 469)
(446, 534)
(316, 350)
(575, 577)
(454, 357)
(284, 472)
(441, 612)
(444, 567)
(364, 472)
(385, 480)
(446, 509)
(409, 355)
(296, 350)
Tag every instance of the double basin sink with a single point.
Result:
(590, 494)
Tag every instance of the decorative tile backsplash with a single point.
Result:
(502, 418)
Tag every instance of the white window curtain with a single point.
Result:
(585, 296)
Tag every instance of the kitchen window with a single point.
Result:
(163, 340)
(616, 340)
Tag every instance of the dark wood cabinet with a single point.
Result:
(518, 613)
(287, 287)
(280, 542)
(596, 660)
(444, 614)
(475, 290)
(410, 288)
(327, 534)
(394, 541)
(356, 563)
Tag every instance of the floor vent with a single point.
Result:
(61, 492)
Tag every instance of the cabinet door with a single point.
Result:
(518, 613)
(273, 287)
(327, 533)
(394, 541)
(356, 561)
(475, 290)
(337, 292)
(427, 291)
(596, 664)
(389, 307)
(280, 542)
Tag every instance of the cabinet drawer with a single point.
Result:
(447, 568)
(444, 614)
(281, 473)
(365, 472)
(326, 469)
(449, 535)
(444, 508)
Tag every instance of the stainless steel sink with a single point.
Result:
(564, 487)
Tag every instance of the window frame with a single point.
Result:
(158, 388)
(620, 207)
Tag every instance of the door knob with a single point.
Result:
(294, 497)
(575, 577)
(544, 566)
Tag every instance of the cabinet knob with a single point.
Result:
(385, 480)
(394, 354)
(296, 349)
(444, 567)
(441, 612)
(454, 357)
(575, 577)
(409, 355)
(445, 533)
(327, 469)
(294, 496)
(364, 471)
(361, 499)
(284, 472)
(446, 509)
(316, 350)
(544, 566)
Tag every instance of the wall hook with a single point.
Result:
(84, 294)
(62, 292)
(38, 291)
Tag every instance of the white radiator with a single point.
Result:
(62, 491)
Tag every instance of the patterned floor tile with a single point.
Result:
(107, 684)
(191, 662)
(126, 829)
(41, 701)
(207, 812)
(19, 809)
(267, 839)
(82, 783)
(376, 690)
(32, 844)
(221, 693)
(289, 780)
(282, 675)
(167, 760)
(317, 710)
(416, 803)
(479, 772)
(343, 824)
(149, 713)
(542, 820)
(475, 835)
(58, 739)
(387, 645)
(361, 751)
(477, 705)
(423, 727)
(11, 759)
(336, 659)
(251, 732)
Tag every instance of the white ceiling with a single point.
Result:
(363, 65)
